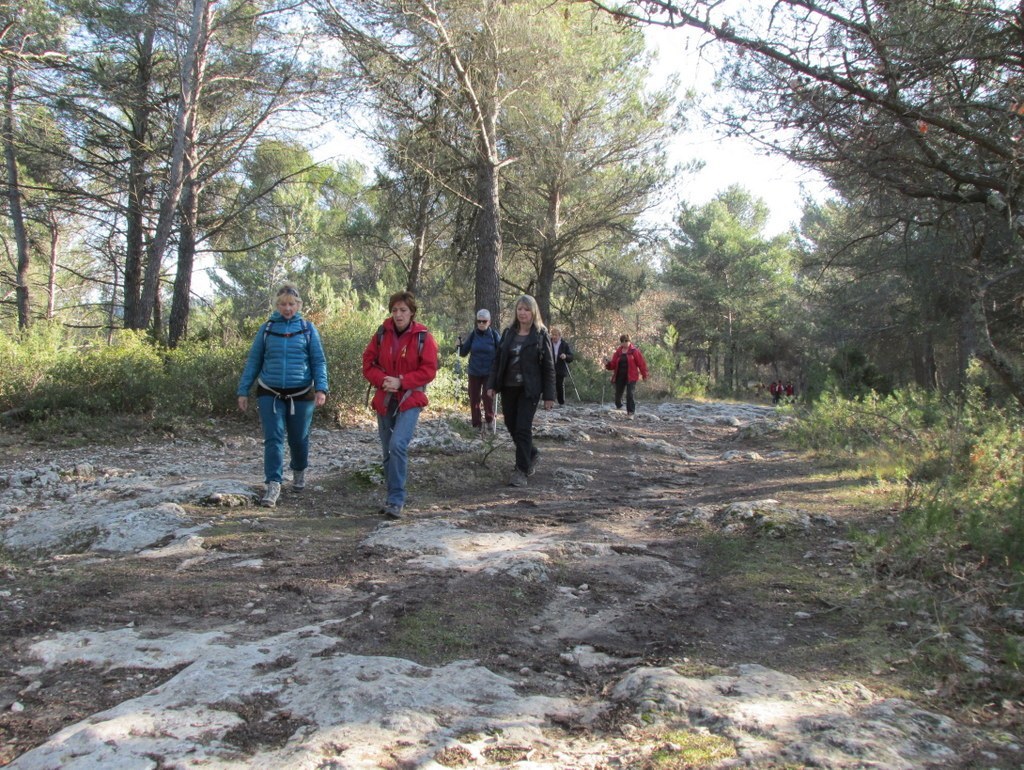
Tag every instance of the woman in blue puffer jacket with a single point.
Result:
(287, 364)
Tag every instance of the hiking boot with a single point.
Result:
(517, 479)
(533, 463)
(298, 481)
(269, 499)
(393, 511)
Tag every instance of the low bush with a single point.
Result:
(959, 464)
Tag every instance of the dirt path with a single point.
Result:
(669, 591)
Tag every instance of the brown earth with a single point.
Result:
(801, 601)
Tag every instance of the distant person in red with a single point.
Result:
(790, 391)
(774, 390)
(627, 365)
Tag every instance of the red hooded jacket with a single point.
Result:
(637, 364)
(386, 359)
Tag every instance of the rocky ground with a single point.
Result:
(671, 591)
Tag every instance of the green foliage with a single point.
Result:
(961, 465)
(734, 286)
(200, 378)
(102, 379)
(668, 376)
(25, 359)
(856, 376)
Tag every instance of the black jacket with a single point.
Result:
(562, 366)
(535, 361)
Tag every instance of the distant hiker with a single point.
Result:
(790, 391)
(286, 363)
(563, 357)
(523, 371)
(627, 365)
(773, 389)
(480, 345)
(400, 360)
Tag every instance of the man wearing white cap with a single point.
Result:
(480, 345)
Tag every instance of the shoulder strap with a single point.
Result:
(304, 328)
(419, 345)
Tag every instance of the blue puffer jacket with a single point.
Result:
(285, 362)
(480, 347)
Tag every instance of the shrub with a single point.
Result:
(25, 361)
(98, 379)
(201, 378)
(961, 464)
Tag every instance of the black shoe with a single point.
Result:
(393, 511)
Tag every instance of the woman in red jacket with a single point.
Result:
(627, 365)
(400, 361)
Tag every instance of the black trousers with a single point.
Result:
(630, 389)
(560, 388)
(518, 411)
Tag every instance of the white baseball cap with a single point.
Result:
(483, 314)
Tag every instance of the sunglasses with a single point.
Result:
(482, 321)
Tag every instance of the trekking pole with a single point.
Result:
(573, 381)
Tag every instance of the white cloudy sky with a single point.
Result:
(780, 183)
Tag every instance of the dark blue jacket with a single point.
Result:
(480, 346)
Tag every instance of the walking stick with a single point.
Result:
(569, 372)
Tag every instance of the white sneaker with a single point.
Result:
(298, 480)
(517, 479)
(270, 496)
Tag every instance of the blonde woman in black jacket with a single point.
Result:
(523, 372)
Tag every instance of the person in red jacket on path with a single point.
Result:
(400, 361)
(627, 365)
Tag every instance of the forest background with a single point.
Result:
(522, 147)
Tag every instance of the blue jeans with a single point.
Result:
(278, 421)
(395, 435)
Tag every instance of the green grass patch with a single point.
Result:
(429, 635)
(684, 749)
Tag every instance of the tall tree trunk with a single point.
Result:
(983, 348)
(14, 202)
(51, 278)
(488, 238)
(138, 184)
(926, 372)
(419, 234)
(182, 298)
(192, 71)
(549, 254)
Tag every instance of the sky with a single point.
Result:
(781, 184)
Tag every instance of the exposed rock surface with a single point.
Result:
(200, 631)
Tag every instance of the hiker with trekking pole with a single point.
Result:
(563, 357)
(480, 345)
